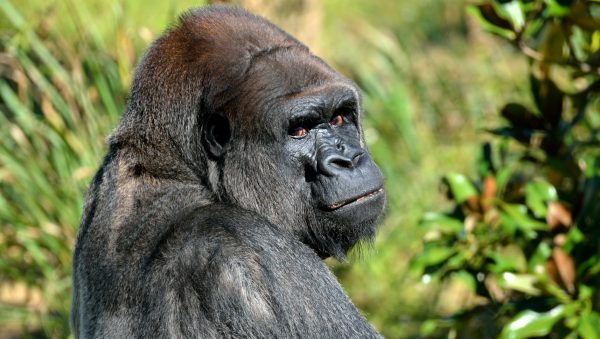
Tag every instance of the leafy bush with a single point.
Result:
(524, 235)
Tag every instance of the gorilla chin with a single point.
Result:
(239, 164)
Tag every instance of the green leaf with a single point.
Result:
(574, 237)
(508, 258)
(542, 252)
(532, 324)
(533, 27)
(441, 222)
(433, 255)
(503, 177)
(460, 186)
(457, 261)
(556, 9)
(520, 117)
(585, 292)
(520, 282)
(538, 194)
(491, 21)
(548, 97)
(514, 11)
(589, 326)
(522, 135)
(466, 279)
(517, 216)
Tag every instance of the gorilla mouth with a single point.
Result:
(360, 198)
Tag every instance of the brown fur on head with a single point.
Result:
(205, 54)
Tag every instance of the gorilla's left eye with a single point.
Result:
(337, 120)
(298, 132)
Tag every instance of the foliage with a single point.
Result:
(65, 67)
(524, 235)
(55, 113)
(421, 110)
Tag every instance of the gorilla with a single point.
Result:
(238, 166)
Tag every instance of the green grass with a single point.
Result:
(430, 81)
(54, 121)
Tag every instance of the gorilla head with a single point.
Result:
(228, 99)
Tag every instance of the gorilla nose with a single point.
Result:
(335, 163)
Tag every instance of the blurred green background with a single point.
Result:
(431, 80)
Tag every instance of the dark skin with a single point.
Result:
(239, 165)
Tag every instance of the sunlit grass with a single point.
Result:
(57, 109)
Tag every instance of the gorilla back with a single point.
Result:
(238, 166)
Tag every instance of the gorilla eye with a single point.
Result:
(337, 120)
(299, 132)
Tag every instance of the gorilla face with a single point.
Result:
(305, 139)
(325, 139)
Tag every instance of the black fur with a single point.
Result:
(238, 166)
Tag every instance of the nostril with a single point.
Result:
(342, 162)
(357, 158)
(335, 163)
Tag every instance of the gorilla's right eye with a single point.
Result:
(298, 132)
(337, 120)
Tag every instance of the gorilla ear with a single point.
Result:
(215, 135)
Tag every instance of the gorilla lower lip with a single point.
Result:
(354, 200)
